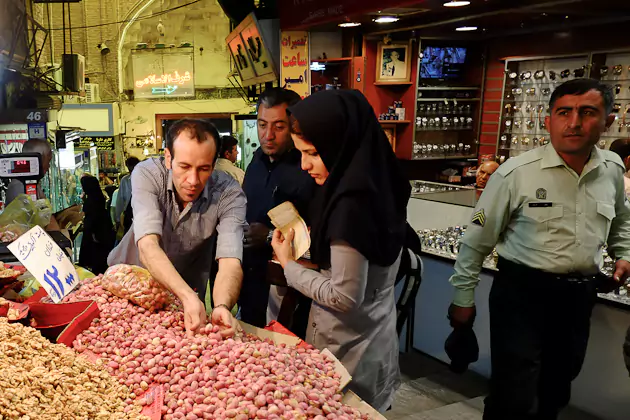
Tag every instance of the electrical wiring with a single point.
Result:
(129, 20)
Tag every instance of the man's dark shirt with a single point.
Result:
(268, 184)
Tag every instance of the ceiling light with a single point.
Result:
(466, 28)
(454, 3)
(349, 24)
(386, 19)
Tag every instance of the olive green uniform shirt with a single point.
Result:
(542, 214)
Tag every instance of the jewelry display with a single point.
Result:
(447, 242)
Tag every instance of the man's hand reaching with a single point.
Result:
(228, 325)
(194, 314)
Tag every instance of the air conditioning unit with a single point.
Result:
(73, 72)
(92, 93)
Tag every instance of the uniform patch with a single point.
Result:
(479, 218)
(541, 194)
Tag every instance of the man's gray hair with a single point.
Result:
(37, 146)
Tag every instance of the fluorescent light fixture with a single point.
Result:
(454, 3)
(349, 24)
(466, 28)
(386, 19)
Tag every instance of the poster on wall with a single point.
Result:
(295, 71)
(159, 75)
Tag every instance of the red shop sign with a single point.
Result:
(302, 14)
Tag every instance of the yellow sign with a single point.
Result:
(295, 70)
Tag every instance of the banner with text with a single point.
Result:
(295, 72)
(158, 75)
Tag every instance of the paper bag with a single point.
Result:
(285, 217)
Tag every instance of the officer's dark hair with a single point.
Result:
(227, 143)
(277, 96)
(198, 129)
(131, 162)
(580, 87)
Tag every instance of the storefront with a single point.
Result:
(453, 91)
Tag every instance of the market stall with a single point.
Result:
(440, 213)
(126, 334)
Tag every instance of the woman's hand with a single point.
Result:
(283, 247)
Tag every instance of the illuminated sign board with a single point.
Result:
(159, 75)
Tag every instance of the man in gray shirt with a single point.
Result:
(182, 209)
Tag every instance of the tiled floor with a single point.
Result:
(432, 392)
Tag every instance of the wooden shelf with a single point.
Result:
(393, 83)
(448, 88)
(331, 60)
(394, 121)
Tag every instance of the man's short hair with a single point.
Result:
(227, 143)
(580, 87)
(37, 146)
(277, 96)
(198, 130)
(131, 162)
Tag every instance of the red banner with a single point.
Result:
(303, 14)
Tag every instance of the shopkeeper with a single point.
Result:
(549, 212)
(182, 208)
(16, 187)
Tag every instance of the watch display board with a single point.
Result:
(527, 90)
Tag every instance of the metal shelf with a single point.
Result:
(420, 130)
(447, 157)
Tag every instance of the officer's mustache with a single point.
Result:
(573, 134)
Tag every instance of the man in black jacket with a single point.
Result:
(273, 177)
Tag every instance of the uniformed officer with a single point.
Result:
(549, 212)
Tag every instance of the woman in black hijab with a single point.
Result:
(358, 230)
(98, 232)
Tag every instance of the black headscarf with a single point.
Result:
(364, 199)
(92, 189)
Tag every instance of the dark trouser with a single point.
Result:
(539, 329)
(254, 295)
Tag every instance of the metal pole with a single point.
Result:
(50, 39)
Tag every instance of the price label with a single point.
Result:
(155, 394)
(47, 262)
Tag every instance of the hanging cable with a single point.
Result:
(129, 20)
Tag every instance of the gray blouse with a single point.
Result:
(354, 316)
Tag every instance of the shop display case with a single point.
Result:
(447, 122)
(456, 204)
(527, 89)
(448, 108)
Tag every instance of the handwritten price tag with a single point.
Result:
(46, 262)
(155, 397)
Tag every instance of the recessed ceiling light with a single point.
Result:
(466, 28)
(349, 24)
(454, 3)
(386, 19)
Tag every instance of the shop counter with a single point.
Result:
(603, 387)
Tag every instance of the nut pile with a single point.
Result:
(40, 380)
(207, 377)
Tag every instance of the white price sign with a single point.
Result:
(46, 262)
